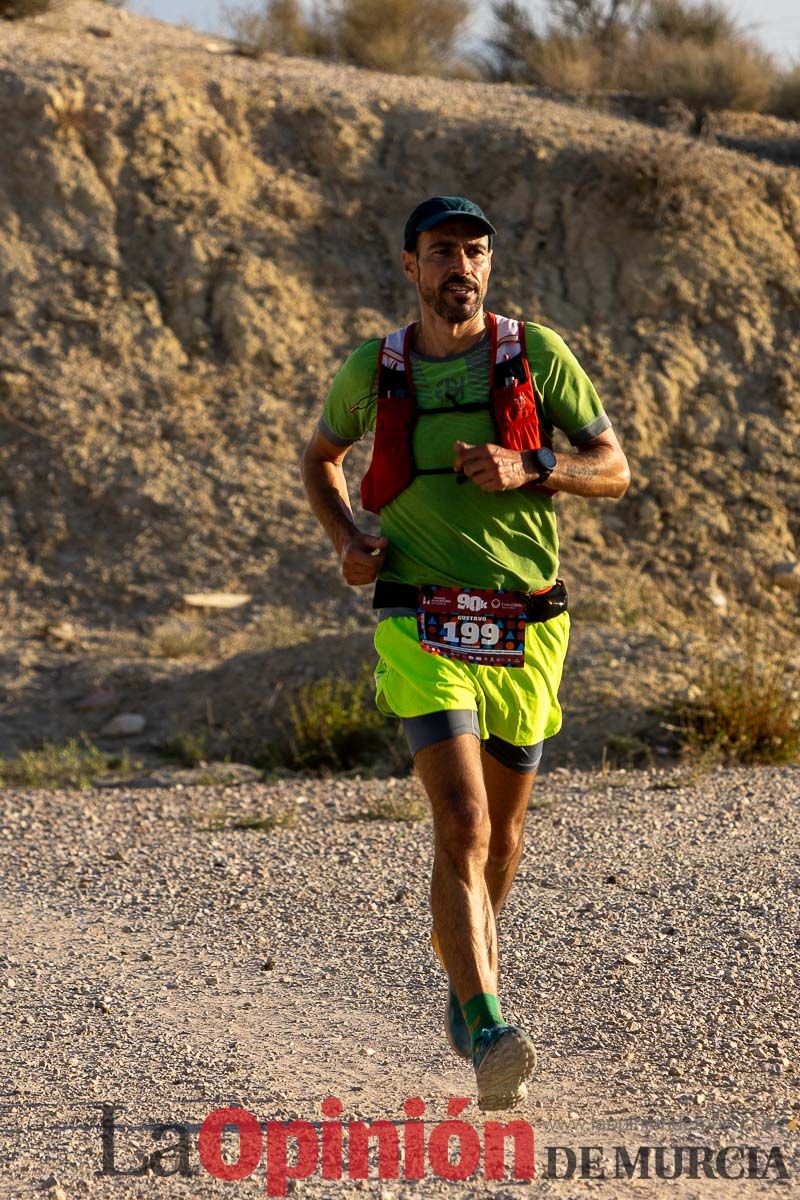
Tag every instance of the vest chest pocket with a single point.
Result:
(517, 416)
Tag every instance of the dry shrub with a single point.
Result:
(706, 24)
(178, 638)
(661, 185)
(733, 74)
(602, 20)
(14, 10)
(563, 59)
(742, 708)
(785, 101)
(278, 27)
(407, 37)
(566, 64)
(673, 50)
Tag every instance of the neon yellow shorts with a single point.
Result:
(518, 704)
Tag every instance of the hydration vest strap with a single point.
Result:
(407, 340)
(491, 321)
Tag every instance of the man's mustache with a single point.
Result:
(461, 281)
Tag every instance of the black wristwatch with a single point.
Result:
(543, 460)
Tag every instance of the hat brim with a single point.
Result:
(437, 219)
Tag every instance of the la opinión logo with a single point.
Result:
(452, 1149)
(232, 1144)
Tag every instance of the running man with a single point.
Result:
(472, 622)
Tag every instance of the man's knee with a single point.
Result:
(462, 828)
(505, 844)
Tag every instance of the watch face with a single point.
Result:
(546, 459)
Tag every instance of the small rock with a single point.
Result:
(63, 633)
(268, 964)
(124, 725)
(631, 960)
(718, 599)
(786, 575)
(216, 599)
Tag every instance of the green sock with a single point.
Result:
(482, 1012)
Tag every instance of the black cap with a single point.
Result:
(443, 208)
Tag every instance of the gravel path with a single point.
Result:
(158, 956)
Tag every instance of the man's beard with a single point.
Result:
(446, 306)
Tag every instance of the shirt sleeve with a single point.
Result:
(350, 408)
(568, 396)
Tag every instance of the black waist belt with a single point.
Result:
(541, 607)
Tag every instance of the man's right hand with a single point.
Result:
(362, 558)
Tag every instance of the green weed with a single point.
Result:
(407, 807)
(333, 724)
(76, 763)
(189, 747)
(219, 819)
(179, 639)
(623, 750)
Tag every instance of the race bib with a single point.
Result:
(472, 625)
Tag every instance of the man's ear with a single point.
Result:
(410, 265)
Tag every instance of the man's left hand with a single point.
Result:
(492, 468)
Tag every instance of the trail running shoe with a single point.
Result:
(503, 1057)
(456, 1027)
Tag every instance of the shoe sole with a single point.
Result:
(460, 1051)
(502, 1073)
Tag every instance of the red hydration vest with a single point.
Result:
(514, 404)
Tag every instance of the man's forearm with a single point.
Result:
(326, 489)
(598, 471)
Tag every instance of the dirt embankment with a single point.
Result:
(190, 242)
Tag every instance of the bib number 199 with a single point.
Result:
(477, 626)
(471, 633)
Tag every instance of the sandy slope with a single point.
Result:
(190, 242)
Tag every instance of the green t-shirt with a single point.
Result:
(446, 532)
